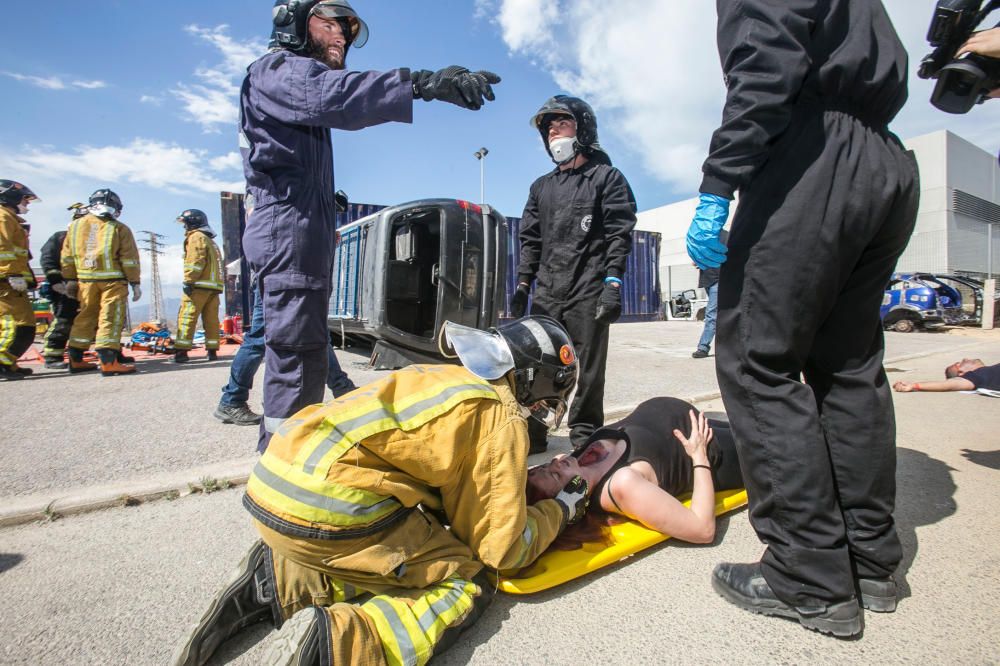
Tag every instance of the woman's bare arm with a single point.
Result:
(641, 499)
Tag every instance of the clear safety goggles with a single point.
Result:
(337, 10)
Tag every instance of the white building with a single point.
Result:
(959, 208)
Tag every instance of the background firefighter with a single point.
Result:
(828, 200)
(352, 497)
(17, 318)
(64, 308)
(289, 100)
(99, 262)
(202, 286)
(576, 233)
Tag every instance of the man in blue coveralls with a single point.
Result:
(290, 99)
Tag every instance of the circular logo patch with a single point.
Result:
(566, 354)
(585, 222)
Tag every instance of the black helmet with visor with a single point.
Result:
(291, 22)
(586, 124)
(537, 349)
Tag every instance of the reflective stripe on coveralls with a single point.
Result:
(300, 488)
(99, 249)
(102, 314)
(202, 261)
(202, 303)
(409, 630)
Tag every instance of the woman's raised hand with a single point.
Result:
(696, 445)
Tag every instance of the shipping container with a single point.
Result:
(640, 284)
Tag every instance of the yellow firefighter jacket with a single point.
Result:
(433, 435)
(99, 249)
(202, 261)
(13, 246)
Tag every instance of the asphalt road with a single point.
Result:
(118, 586)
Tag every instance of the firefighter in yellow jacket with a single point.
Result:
(202, 285)
(353, 497)
(17, 318)
(99, 262)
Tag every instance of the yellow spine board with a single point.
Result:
(556, 567)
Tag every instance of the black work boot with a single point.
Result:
(55, 363)
(236, 414)
(9, 373)
(181, 357)
(744, 585)
(213, 354)
(247, 599)
(301, 641)
(27, 372)
(878, 594)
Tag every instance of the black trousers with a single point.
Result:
(800, 346)
(590, 340)
(64, 311)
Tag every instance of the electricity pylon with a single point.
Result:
(152, 245)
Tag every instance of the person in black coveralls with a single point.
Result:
(828, 200)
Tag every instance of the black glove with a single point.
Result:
(188, 290)
(574, 499)
(609, 305)
(454, 84)
(519, 301)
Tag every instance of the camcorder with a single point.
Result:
(961, 82)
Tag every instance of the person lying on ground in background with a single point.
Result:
(969, 374)
(639, 466)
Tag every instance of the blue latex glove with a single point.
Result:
(703, 244)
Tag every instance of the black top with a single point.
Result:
(782, 58)
(576, 230)
(51, 260)
(987, 377)
(648, 432)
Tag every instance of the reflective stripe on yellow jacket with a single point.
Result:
(99, 249)
(434, 435)
(202, 261)
(13, 245)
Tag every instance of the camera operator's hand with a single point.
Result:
(984, 42)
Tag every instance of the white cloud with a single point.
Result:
(55, 82)
(61, 177)
(151, 99)
(211, 101)
(651, 70)
(226, 162)
(90, 85)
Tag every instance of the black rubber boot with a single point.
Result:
(744, 585)
(9, 373)
(27, 372)
(302, 640)
(181, 357)
(55, 363)
(247, 599)
(213, 354)
(878, 594)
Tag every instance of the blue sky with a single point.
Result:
(140, 96)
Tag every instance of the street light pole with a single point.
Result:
(481, 156)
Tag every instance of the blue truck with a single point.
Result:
(921, 300)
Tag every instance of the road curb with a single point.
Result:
(52, 505)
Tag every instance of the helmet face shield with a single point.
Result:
(550, 412)
(484, 353)
(337, 9)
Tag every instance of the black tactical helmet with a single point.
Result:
(105, 202)
(12, 193)
(291, 22)
(193, 219)
(537, 349)
(586, 123)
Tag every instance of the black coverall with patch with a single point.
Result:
(577, 230)
(64, 308)
(828, 199)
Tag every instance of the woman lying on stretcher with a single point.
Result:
(638, 467)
